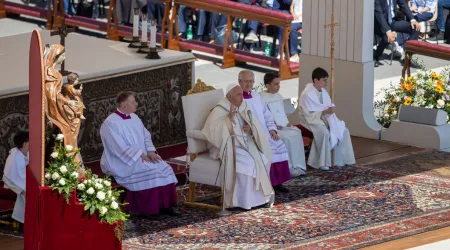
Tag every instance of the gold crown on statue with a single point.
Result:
(200, 87)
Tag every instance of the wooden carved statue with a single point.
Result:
(64, 111)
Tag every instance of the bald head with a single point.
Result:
(235, 96)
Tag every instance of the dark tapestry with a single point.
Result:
(159, 94)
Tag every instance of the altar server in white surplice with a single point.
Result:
(290, 135)
(130, 157)
(14, 173)
(279, 170)
(329, 132)
(244, 152)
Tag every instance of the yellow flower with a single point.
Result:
(408, 101)
(435, 76)
(439, 89)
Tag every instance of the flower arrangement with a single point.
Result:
(65, 175)
(424, 89)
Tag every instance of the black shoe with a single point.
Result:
(377, 63)
(439, 37)
(170, 211)
(280, 188)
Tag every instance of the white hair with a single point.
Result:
(245, 71)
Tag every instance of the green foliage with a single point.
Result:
(65, 175)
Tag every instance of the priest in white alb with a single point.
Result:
(289, 134)
(131, 158)
(14, 173)
(279, 170)
(244, 153)
(317, 113)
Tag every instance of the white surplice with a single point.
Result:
(265, 118)
(14, 179)
(329, 133)
(247, 182)
(124, 141)
(291, 136)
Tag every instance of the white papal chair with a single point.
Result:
(197, 105)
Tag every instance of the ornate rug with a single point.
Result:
(345, 208)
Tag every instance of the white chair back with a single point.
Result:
(196, 109)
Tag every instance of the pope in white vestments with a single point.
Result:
(244, 152)
(317, 113)
(290, 135)
(14, 173)
(130, 157)
(279, 170)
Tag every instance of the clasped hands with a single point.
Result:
(151, 157)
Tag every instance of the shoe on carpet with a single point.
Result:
(281, 189)
(324, 168)
(170, 211)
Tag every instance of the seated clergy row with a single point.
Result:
(248, 132)
(265, 150)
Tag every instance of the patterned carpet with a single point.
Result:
(344, 208)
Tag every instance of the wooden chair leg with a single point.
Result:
(191, 195)
(173, 42)
(228, 55)
(112, 30)
(49, 24)
(284, 68)
(167, 8)
(15, 225)
(2, 9)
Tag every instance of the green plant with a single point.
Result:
(65, 175)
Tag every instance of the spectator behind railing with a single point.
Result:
(440, 22)
(293, 7)
(387, 22)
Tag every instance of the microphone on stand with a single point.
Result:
(249, 114)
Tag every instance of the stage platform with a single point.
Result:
(105, 68)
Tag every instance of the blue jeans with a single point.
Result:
(201, 22)
(293, 36)
(442, 4)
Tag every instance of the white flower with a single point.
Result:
(80, 186)
(397, 98)
(55, 176)
(114, 205)
(415, 104)
(74, 174)
(103, 210)
(59, 137)
(85, 181)
(47, 176)
(440, 104)
(113, 199)
(54, 155)
(429, 106)
(69, 147)
(420, 91)
(109, 192)
(63, 169)
(98, 185)
(394, 112)
(101, 195)
(107, 183)
(90, 191)
(386, 116)
(98, 180)
(62, 182)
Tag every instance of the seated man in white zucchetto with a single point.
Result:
(244, 153)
